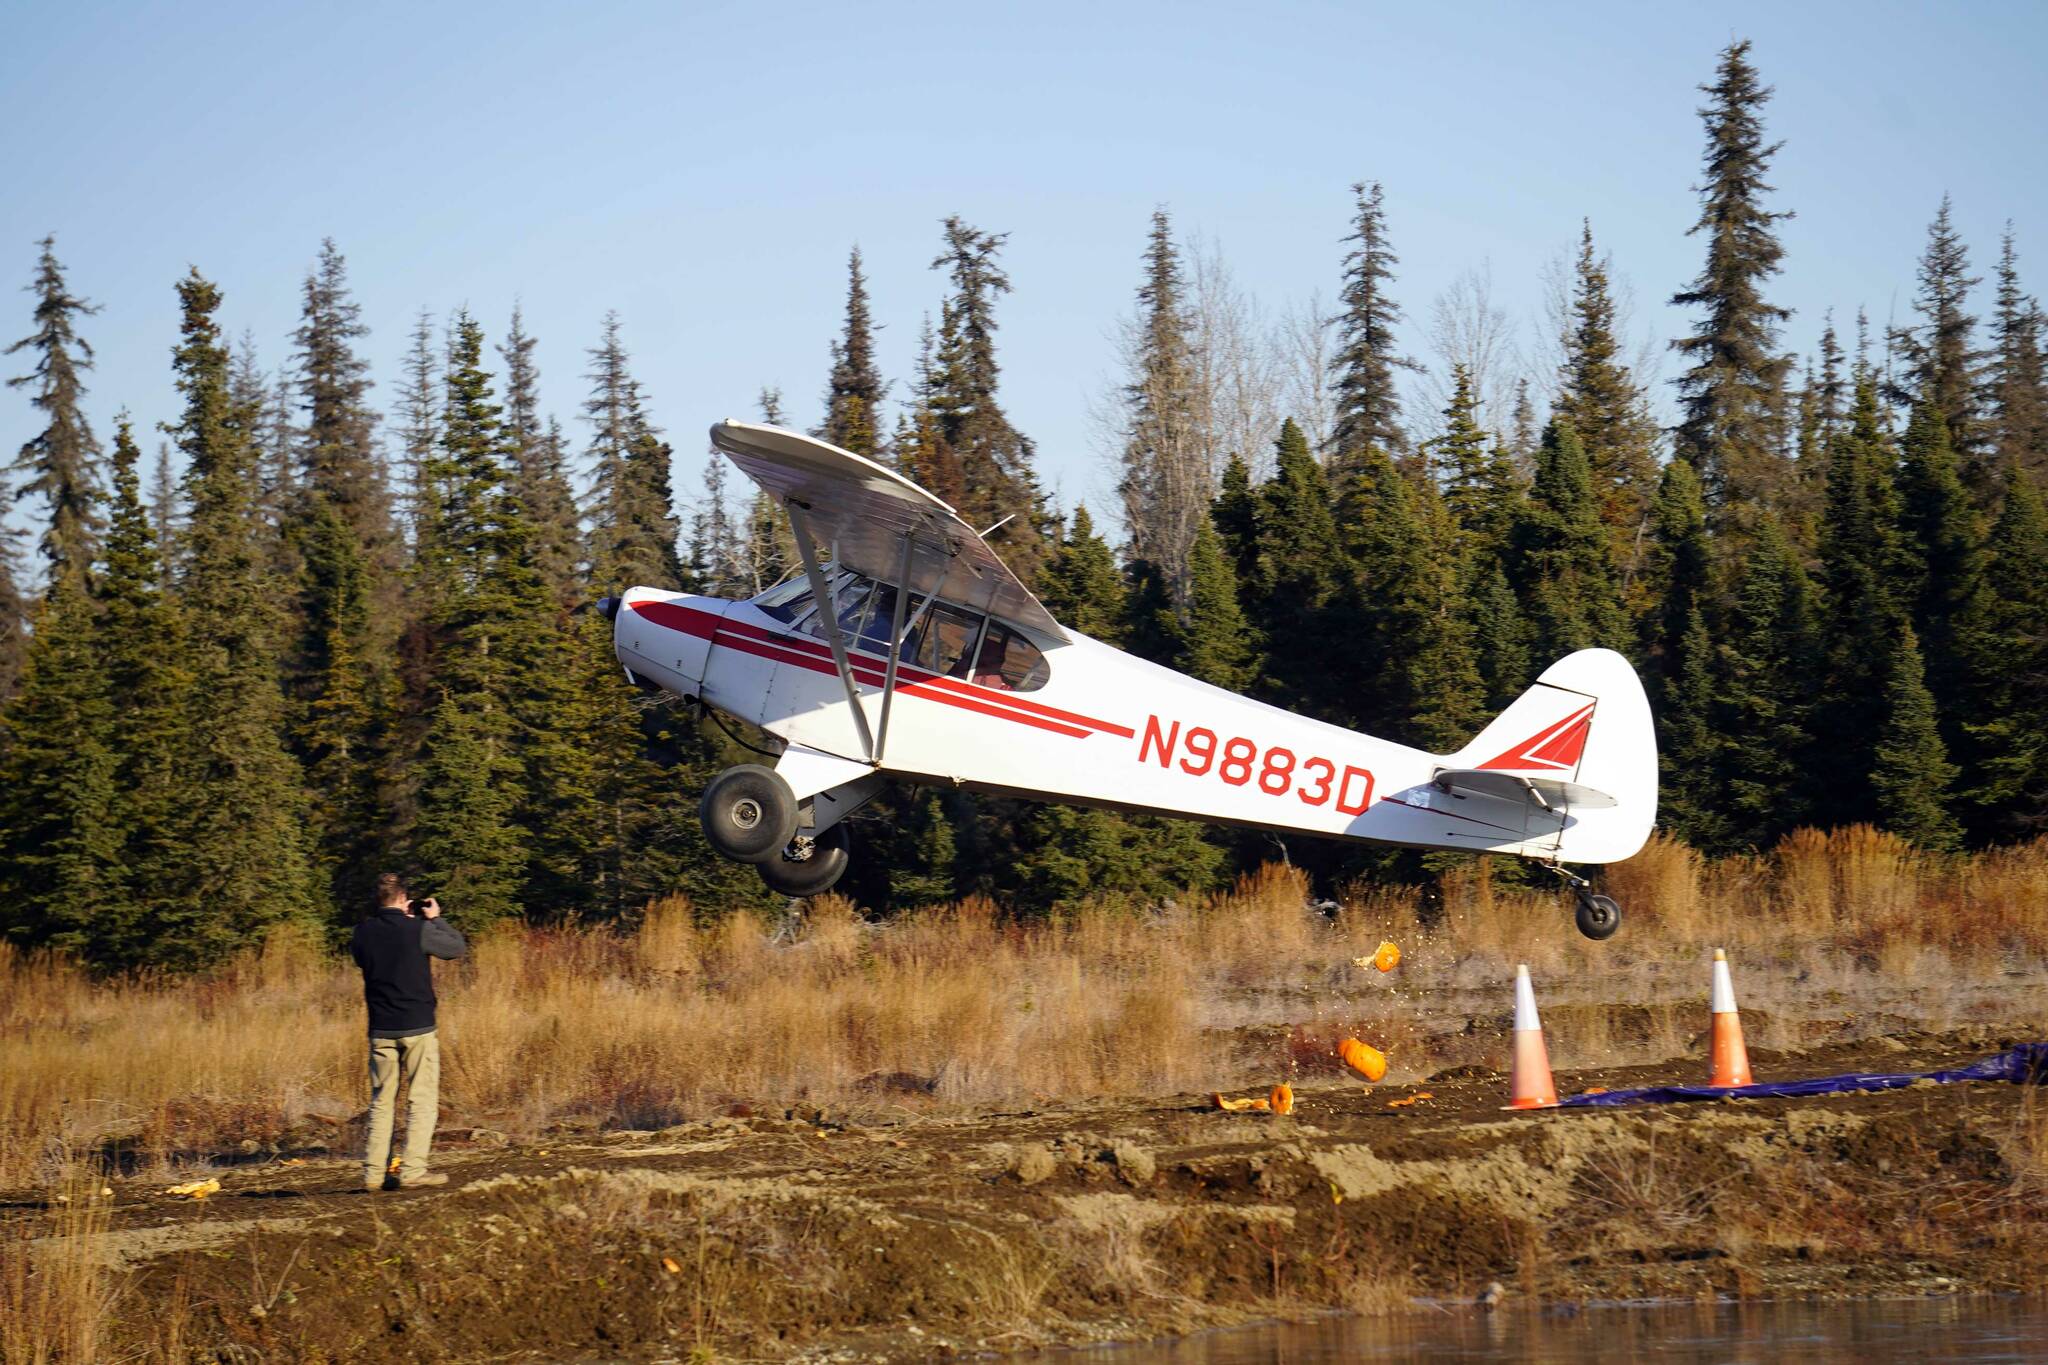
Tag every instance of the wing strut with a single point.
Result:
(821, 592)
(895, 644)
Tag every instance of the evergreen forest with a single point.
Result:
(326, 623)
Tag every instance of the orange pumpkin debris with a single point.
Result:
(1367, 1061)
(1387, 956)
(1282, 1098)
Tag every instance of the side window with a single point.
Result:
(874, 634)
(1009, 662)
(852, 594)
(787, 600)
(949, 633)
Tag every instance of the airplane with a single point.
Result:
(905, 650)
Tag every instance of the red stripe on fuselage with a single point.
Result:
(804, 653)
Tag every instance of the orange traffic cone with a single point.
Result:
(1731, 1058)
(1529, 1084)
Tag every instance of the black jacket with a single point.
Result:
(392, 948)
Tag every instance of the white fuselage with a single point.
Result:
(1105, 729)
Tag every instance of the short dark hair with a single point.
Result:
(390, 886)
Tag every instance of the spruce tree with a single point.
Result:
(244, 810)
(490, 630)
(854, 391)
(1767, 682)
(420, 403)
(1080, 585)
(1368, 359)
(2014, 399)
(1732, 393)
(61, 842)
(61, 460)
(1235, 515)
(537, 464)
(143, 654)
(635, 534)
(1216, 644)
(1500, 630)
(1166, 484)
(1299, 575)
(1939, 361)
(342, 707)
(1912, 775)
(1567, 579)
(1402, 661)
(995, 462)
(1861, 568)
(716, 555)
(339, 462)
(2005, 646)
(13, 609)
(1942, 544)
(1476, 475)
(1681, 652)
(1609, 411)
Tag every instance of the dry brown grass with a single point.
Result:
(680, 1020)
(57, 1297)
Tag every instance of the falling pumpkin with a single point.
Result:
(1367, 1061)
(1387, 956)
(1282, 1098)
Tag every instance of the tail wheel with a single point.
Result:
(1598, 916)
(808, 867)
(749, 813)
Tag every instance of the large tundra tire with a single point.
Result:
(808, 872)
(749, 814)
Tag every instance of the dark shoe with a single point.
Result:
(431, 1178)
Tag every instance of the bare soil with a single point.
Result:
(900, 1230)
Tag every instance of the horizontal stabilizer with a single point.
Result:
(1549, 793)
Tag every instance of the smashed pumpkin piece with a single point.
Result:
(1366, 1060)
(1234, 1106)
(195, 1189)
(1282, 1098)
(1386, 957)
(1415, 1098)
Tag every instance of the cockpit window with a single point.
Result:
(1008, 661)
(950, 641)
(949, 635)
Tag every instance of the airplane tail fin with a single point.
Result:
(1579, 745)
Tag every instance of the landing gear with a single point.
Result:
(808, 866)
(1598, 916)
(749, 814)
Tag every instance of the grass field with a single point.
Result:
(677, 1020)
(1841, 942)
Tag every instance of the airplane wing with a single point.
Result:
(863, 511)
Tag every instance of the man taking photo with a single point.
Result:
(392, 945)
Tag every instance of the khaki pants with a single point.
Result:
(415, 1061)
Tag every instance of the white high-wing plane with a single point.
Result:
(907, 651)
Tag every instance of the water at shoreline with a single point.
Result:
(1975, 1330)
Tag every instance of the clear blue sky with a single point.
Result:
(704, 168)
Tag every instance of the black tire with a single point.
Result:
(812, 875)
(749, 814)
(1598, 916)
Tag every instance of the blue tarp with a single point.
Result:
(2026, 1064)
